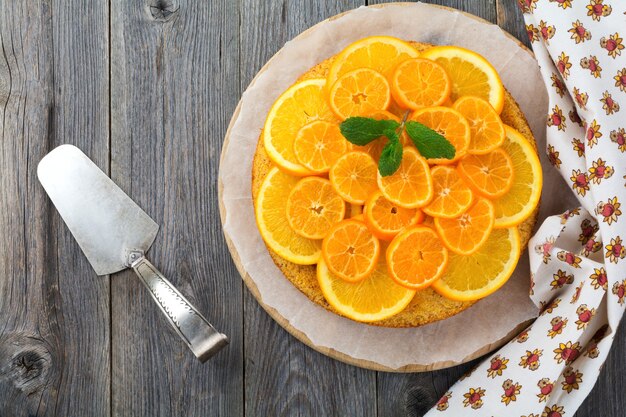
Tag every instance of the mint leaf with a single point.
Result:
(391, 155)
(363, 130)
(428, 142)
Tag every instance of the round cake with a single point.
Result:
(427, 306)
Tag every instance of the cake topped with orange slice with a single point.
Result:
(396, 183)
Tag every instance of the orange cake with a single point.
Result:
(397, 242)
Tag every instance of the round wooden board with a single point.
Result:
(284, 322)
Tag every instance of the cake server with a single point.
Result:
(114, 233)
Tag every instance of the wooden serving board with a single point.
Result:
(375, 362)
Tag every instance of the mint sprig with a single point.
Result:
(363, 130)
(429, 143)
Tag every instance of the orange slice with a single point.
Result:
(350, 250)
(301, 104)
(318, 145)
(519, 202)
(451, 196)
(271, 217)
(490, 175)
(359, 92)
(354, 177)
(416, 257)
(420, 82)
(487, 130)
(380, 53)
(449, 123)
(375, 147)
(374, 298)
(386, 219)
(470, 73)
(411, 186)
(465, 234)
(471, 277)
(313, 207)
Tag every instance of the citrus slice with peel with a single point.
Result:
(354, 177)
(449, 123)
(521, 200)
(420, 82)
(490, 175)
(472, 277)
(300, 104)
(465, 234)
(375, 147)
(411, 186)
(470, 74)
(451, 195)
(487, 130)
(380, 53)
(318, 145)
(313, 207)
(416, 257)
(359, 92)
(271, 217)
(350, 250)
(386, 219)
(377, 297)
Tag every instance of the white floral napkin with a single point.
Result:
(578, 270)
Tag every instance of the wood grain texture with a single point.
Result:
(283, 377)
(510, 19)
(54, 311)
(174, 84)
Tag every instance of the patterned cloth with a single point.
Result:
(578, 270)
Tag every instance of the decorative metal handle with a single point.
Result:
(201, 337)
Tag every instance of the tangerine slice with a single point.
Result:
(465, 234)
(375, 147)
(375, 298)
(449, 123)
(350, 250)
(271, 217)
(471, 277)
(359, 92)
(386, 219)
(522, 199)
(318, 145)
(490, 175)
(354, 177)
(420, 82)
(487, 130)
(470, 74)
(313, 207)
(380, 53)
(411, 186)
(299, 105)
(451, 196)
(416, 257)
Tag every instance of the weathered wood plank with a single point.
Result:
(174, 85)
(510, 19)
(283, 376)
(54, 326)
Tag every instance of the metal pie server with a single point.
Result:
(114, 233)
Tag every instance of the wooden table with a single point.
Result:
(146, 88)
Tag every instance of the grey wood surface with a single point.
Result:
(146, 88)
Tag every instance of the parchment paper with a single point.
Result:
(439, 344)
